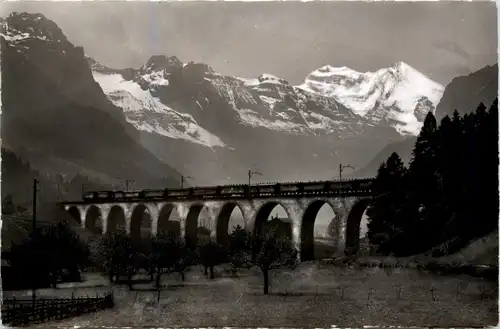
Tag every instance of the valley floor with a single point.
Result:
(311, 295)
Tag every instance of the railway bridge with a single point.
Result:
(301, 201)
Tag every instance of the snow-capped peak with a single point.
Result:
(399, 94)
(147, 113)
(20, 27)
(158, 68)
(161, 62)
(329, 70)
(269, 78)
(264, 78)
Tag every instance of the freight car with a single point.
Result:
(266, 189)
(314, 188)
(131, 195)
(178, 193)
(152, 194)
(365, 185)
(234, 190)
(119, 195)
(202, 192)
(289, 188)
(99, 195)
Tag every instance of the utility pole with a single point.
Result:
(252, 173)
(341, 168)
(184, 179)
(127, 181)
(35, 190)
(58, 192)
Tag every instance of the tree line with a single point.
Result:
(18, 183)
(56, 253)
(447, 196)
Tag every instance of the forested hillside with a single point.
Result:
(447, 196)
(17, 196)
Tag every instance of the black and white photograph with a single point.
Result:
(291, 164)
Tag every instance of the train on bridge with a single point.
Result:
(346, 187)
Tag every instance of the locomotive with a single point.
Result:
(238, 190)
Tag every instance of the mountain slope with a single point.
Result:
(45, 77)
(399, 94)
(464, 93)
(187, 113)
(212, 127)
(404, 148)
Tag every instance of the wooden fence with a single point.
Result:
(17, 312)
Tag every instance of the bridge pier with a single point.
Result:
(301, 211)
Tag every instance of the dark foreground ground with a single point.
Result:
(309, 296)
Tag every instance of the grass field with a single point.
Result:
(309, 296)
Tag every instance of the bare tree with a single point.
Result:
(273, 252)
(210, 254)
(168, 254)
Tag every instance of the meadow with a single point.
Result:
(312, 295)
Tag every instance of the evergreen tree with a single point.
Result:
(424, 176)
(423, 165)
(386, 214)
(487, 150)
(446, 174)
(449, 194)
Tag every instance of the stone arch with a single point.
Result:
(93, 219)
(222, 222)
(74, 212)
(191, 230)
(165, 222)
(140, 221)
(307, 229)
(353, 226)
(116, 219)
(263, 214)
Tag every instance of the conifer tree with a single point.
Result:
(385, 216)
(423, 165)
(424, 176)
(448, 196)
(487, 139)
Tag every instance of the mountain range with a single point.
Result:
(56, 116)
(65, 112)
(187, 114)
(463, 94)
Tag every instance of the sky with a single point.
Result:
(288, 39)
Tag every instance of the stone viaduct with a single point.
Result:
(301, 209)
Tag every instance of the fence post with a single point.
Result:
(369, 295)
(432, 294)
(42, 311)
(482, 292)
(20, 313)
(399, 292)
